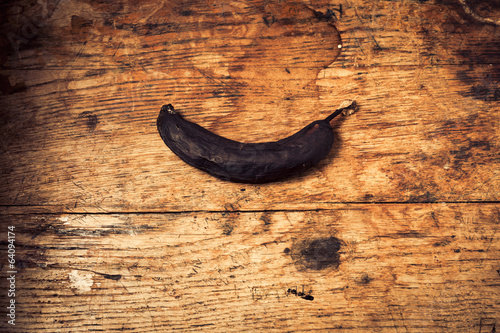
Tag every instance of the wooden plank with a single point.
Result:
(415, 147)
(78, 133)
(395, 231)
(377, 268)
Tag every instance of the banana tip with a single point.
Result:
(348, 107)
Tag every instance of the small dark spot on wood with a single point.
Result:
(427, 197)
(480, 144)
(442, 243)
(368, 196)
(365, 279)
(287, 70)
(456, 250)
(114, 277)
(218, 92)
(186, 13)
(243, 190)
(269, 20)
(237, 68)
(308, 297)
(286, 250)
(287, 21)
(92, 120)
(265, 218)
(328, 14)
(20, 264)
(227, 229)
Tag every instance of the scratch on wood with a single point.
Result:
(369, 34)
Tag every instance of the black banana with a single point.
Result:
(246, 162)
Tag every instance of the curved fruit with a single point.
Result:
(246, 162)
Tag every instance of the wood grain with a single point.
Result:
(395, 231)
(377, 268)
(427, 129)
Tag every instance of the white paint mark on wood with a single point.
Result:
(81, 281)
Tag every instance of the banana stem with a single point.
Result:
(351, 106)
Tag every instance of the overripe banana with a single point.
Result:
(246, 162)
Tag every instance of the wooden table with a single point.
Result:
(397, 230)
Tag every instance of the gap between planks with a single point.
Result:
(43, 210)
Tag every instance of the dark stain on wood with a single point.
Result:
(329, 14)
(186, 13)
(317, 254)
(114, 277)
(269, 20)
(91, 120)
(365, 279)
(227, 227)
(266, 218)
(427, 197)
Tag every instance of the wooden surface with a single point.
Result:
(395, 231)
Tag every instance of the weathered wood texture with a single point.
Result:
(362, 268)
(395, 231)
(79, 130)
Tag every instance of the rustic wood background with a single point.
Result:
(395, 231)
